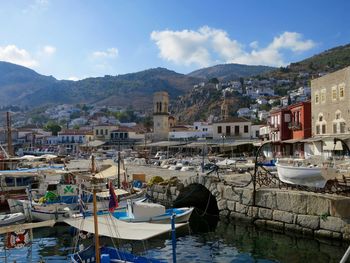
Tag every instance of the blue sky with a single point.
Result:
(73, 39)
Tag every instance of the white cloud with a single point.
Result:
(108, 53)
(13, 54)
(207, 45)
(47, 51)
(37, 5)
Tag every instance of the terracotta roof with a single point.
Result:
(76, 132)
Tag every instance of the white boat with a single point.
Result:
(308, 175)
(153, 213)
(10, 219)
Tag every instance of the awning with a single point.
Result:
(292, 141)
(313, 139)
(95, 143)
(165, 143)
(109, 226)
(329, 145)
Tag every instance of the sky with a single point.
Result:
(73, 39)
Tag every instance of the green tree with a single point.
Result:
(53, 127)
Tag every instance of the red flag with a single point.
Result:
(113, 201)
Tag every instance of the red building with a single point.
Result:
(279, 131)
(300, 126)
(288, 127)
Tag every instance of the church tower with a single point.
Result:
(160, 116)
(225, 109)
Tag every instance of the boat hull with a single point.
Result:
(10, 219)
(306, 176)
(182, 215)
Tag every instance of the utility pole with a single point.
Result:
(9, 135)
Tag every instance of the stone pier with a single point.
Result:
(319, 215)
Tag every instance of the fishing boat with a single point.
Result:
(305, 174)
(109, 226)
(153, 213)
(9, 219)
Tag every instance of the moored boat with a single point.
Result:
(10, 219)
(153, 213)
(308, 175)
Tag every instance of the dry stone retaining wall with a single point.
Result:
(321, 215)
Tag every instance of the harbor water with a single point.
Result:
(202, 241)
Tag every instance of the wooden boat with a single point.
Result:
(308, 175)
(10, 219)
(154, 213)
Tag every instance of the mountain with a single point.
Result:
(199, 103)
(324, 62)
(22, 86)
(225, 72)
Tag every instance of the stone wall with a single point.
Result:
(320, 215)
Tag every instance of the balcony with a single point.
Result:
(294, 126)
(274, 127)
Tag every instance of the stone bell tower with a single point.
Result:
(225, 109)
(160, 116)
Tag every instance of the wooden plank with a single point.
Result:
(18, 227)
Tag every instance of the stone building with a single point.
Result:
(160, 116)
(330, 104)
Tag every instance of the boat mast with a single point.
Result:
(94, 184)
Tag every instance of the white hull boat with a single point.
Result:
(311, 176)
(153, 213)
(10, 219)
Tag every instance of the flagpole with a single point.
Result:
(97, 241)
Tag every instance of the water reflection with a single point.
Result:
(215, 241)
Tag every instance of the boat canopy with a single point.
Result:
(109, 226)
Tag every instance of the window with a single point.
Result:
(106, 131)
(320, 118)
(96, 132)
(246, 129)
(334, 93)
(323, 96)
(341, 91)
(219, 129)
(317, 129)
(323, 128)
(317, 98)
(334, 128)
(228, 130)
(342, 127)
(257, 134)
(101, 132)
(236, 130)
